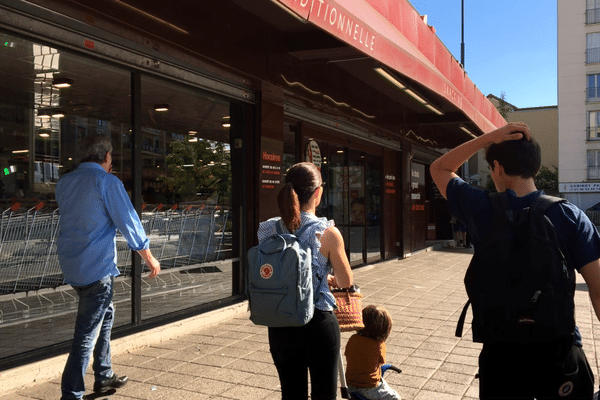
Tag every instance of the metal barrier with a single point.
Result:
(28, 259)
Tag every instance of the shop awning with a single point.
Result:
(396, 36)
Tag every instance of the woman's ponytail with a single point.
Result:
(289, 207)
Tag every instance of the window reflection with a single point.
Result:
(186, 183)
(49, 101)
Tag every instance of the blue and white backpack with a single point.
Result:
(279, 280)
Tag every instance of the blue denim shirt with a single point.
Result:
(93, 205)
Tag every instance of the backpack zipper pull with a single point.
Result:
(535, 296)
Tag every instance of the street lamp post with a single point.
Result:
(462, 33)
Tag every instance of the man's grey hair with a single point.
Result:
(93, 148)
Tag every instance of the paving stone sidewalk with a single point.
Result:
(230, 360)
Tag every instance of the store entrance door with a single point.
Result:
(353, 201)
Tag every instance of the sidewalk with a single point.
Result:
(231, 360)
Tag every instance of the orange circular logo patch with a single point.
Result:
(266, 271)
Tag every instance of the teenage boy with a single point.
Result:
(513, 370)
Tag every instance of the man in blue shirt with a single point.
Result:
(509, 370)
(93, 204)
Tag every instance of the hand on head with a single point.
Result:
(510, 131)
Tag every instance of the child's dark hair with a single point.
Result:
(301, 181)
(521, 157)
(378, 323)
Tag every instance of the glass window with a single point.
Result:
(289, 145)
(358, 206)
(593, 87)
(593, 125)
(186, 185)
(49, 100)
(373, 217)
(593, 164)
(592, 12)
(593, 48)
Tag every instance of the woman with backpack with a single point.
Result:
(314, 347)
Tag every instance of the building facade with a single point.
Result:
(208, 104)
(579, 101)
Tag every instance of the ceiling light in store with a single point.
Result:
(226, 121)
(58, 114)
(192, 132)
(161, 107)
(194, 139)
(43, 114)
(44, 135)
(20, 151)
(62, 83)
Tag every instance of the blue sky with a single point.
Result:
(510, 45)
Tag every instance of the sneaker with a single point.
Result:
(113, 382)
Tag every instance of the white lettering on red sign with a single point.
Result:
(337, 19)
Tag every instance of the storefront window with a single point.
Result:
(49, 100)
(358, 205)
(373, 215)
(186, 184)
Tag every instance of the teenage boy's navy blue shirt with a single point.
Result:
(472, 206)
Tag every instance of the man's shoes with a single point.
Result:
(113, 382)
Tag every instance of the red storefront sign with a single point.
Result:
(395, 35)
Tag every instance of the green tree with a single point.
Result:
(547, 180)
(202, 167)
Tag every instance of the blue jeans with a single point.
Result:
(93, 326)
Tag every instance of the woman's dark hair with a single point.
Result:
(93, 148)
(521, 157)
(378, 323)
(301, 181)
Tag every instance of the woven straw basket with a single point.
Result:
(349, 309)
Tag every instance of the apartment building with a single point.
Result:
(579, 101)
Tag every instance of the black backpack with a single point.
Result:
(519, 281)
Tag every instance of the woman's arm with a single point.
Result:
(332, 247)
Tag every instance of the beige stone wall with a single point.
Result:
(543, 123)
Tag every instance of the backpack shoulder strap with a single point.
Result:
(544, 202)
(461, 320)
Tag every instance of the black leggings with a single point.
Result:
(314, 347)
